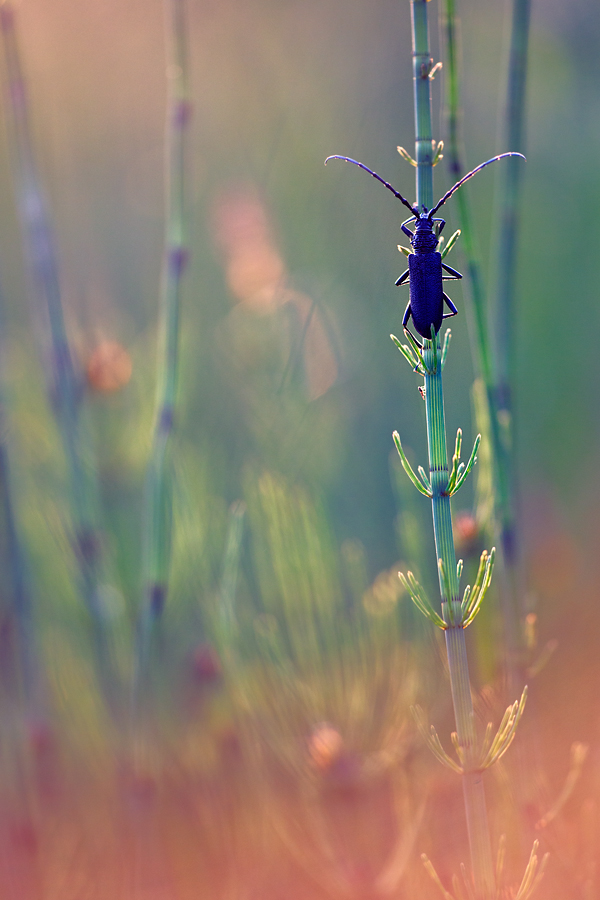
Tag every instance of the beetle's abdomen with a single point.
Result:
(426, 292)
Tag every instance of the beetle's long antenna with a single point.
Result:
(466, 177)
(375, 175)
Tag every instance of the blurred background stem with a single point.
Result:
(157, 512)
(495, 371)
(64, 380)
(508, 205)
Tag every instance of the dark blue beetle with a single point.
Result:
(425, 271)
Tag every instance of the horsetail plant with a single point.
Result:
(427, 359)
(157, 513)
(64, 381)
(456, 614)
(508, 194)
(496, 370)
(485, 408)
(16, 577)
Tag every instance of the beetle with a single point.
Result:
(425, 272)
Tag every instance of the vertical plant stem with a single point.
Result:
(14, 575)
(64, 382)
(14, 564)
(157, 515)
(475, 806)
(508, 194)
(226, 624)
(496, 433)
(473, 788)
(476, 310)
(509, 184)
(422, 101)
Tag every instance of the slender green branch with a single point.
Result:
(494, 750)
(451, 242)
(473, 598)
(157, 515)
(409, 354)
(420, 599)
(430, 736)
(533, 874)
(422, 485)
(430, 869)
(445, 346)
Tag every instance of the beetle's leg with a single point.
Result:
(441, 223)
(453, 272)
(419, 345)
(403, 278)
(451, 306)
(407, 231)
(407, 315)
(416, 343)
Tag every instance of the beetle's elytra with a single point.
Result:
(426, 270)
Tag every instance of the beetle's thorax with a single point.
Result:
(424, 239)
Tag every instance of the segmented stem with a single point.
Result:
(508, 203)
(422, 63)
(475, 806)
(496, 377)
(509, 192)
(64, 382)
(157, 514)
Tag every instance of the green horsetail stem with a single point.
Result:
(157, 514)
(64, 381)
(508, 194)
(473, 789)
(14, 560)
(226, 614)
(477, 309)
(508, 204)
(495, 372)
(452, 614)
(422, 66)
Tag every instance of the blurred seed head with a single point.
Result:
(530, 630)
(466, 532)
(206, 665)
(325, 747)
(254, 269)
(257, 278)
(381, 598)
(109, 367)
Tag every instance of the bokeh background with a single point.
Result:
(290, 390)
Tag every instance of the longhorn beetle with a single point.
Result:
(424, 273)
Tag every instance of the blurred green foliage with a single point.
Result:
(276, 88)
